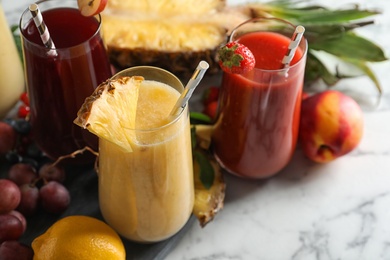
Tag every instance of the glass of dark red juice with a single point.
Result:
(258, 116)
(58, 83)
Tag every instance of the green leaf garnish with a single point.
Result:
(206, 169)
(199, 118)
(193, 137)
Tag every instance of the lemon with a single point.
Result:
(111, 110)
(77, 238)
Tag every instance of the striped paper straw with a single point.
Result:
(190, 87)
(42, 29)
(295, 40)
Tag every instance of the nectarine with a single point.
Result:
(331, 125)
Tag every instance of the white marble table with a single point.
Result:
(339, 210)
(334, 211)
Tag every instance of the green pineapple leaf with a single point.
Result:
(330, 31)
(351, 46)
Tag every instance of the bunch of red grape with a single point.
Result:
(16, 142)
(32, 183)
(23, 193)
(43, 188)
(12, 223)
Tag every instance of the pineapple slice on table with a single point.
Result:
(208, 200)
(208, 179)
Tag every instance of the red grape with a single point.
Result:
(22, 173)
(10, 228)
(24, 98)
(55, 198)
(23, 111)
(21, 126)
(29, 199)
(9, 196)
(7, 138)
(51, 172)
(20, 217)
(14, 250)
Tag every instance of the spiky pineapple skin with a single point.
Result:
(180, 63)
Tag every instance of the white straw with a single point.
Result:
(295, 40)
(190, 87)
(42, 29)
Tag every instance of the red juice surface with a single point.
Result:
(58, 85)
(256, 130)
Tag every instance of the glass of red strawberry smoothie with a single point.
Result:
(257, 123)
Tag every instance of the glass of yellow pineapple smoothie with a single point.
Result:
(147, 195)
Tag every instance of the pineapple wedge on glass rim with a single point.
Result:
(111, 109)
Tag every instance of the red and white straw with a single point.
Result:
(42, 29)
(295, 40)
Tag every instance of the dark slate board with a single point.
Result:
(82, 183)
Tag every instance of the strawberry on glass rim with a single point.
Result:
(91, 7)
(236, 58)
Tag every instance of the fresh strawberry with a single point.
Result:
(210, 95)
(236, 58)
(211, 109)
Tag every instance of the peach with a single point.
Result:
(331, 125)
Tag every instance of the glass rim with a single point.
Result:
(303, 41)
(171, 121)
(146, 67)
(97, 17)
